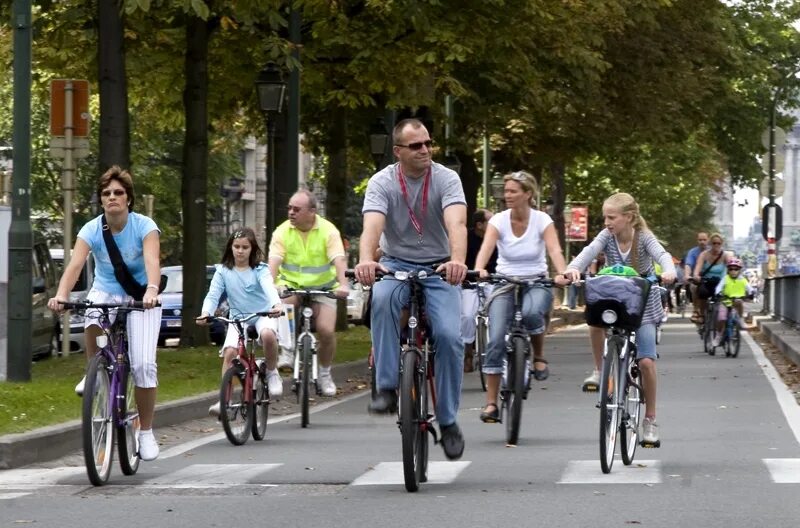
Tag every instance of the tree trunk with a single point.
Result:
(336, 201)
(470, 180)
(195, 180)
(114, 123)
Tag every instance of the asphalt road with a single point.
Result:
(730, 456)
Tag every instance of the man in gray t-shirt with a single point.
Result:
(415, 212)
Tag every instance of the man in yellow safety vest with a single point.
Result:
(306, 251)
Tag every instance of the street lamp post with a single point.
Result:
(271, 89)
(378, 138)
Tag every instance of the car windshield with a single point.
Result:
(175, 279)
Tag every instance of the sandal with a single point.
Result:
(490, 416)
(542, 374)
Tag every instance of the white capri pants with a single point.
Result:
(143, 327)
(232, 335)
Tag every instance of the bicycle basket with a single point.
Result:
(626, 296)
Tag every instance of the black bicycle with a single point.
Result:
(305, 357)
(109, 398)
(417, 394)
(515, 381)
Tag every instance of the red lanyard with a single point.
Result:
(414, 220)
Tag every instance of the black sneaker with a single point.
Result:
(452, 441)
(385, 402)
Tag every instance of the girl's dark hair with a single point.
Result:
(256, 255)
(123, 177)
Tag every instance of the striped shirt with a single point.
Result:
(650, 251)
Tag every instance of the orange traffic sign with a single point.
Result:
(80, 107)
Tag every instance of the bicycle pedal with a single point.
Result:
(650, 445)
(589, 388)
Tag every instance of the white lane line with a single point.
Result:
(784, 470)
(589, 472)
(194, 444)
(392, 473)
(9, 496)
(210, 476)
(37, 478)
(785, 398)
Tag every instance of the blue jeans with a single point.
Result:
(536, 303)
(443, 312)
(646, 341)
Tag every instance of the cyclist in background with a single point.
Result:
(688, 271)
(627, 240)
(708, 271)
(733, 288)
(247, 283)
(523, 237)
(306, 251)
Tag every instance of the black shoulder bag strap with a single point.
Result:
(711, 265)
(121, 271)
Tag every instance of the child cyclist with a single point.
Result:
(733, 288)
(626, 240)
(248, 284)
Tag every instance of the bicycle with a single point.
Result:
(304, 373)
(481, 329)
(244, 394)
(515, 379)
(109, 399)
(417, 394)
(621, 394)
(731, 339)
(708, 330)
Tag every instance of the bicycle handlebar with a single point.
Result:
(85, 305)
(521, 281)
(290, 292)
(416, 274)
(240, 319)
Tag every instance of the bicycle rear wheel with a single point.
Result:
(515, 390)
(305, 378)
(128, 428)
(236, 412)
(97, 427)
(481, 338)
(610, 416)
(261, 406)
(629, 428)
(413, 420)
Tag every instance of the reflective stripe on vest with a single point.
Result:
(306, 263)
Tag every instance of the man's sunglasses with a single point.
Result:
(417, 145)
(115, 192)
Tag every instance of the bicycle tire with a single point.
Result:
(128, 428)
(97, 429)
(236, 412)
(261, 406)
(734, 340)
(413, 434)
(610, 416)
(708, 339)
(305, 379)
(629, 427)
(480, 348)
(515, 391)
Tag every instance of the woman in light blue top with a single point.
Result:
(248, 284)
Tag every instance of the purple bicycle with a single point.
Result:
(109, 404)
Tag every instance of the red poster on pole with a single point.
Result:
(578, 228)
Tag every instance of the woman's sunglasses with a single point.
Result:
(417, 145)
(115, 192)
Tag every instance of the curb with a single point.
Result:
(783, 336)
(55, 441)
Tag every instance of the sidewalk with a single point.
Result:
(55, 441)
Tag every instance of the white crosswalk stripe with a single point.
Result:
(210, 476)
(589, 472)
(37, 478)
(392, 473)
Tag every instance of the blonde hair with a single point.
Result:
(625, 204)
(716, 235)
(527, 182)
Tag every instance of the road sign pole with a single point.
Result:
(67, 182)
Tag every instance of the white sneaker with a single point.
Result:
(591, 383)
(285, 360)
(214, 410)
(665, 318)
(650, 431)
(326, 385)
(148, 447)
(717, 340)
(79, 386)
(274, 384)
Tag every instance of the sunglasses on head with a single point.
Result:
(417, 145)
(518, 176)
(115, 192)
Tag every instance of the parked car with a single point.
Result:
(172, 307)
(78, 294)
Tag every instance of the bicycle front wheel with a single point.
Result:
(632, 412)
(128, 428)
(515, 391)
(236, 411)
(97, 427)
(481, 338)
(413, 423)
(261, 407)
(610, 416)
(305, 378)
(734, 340)
(708, 338)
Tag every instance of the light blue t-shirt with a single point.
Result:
(248, 291)
(130, 243)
